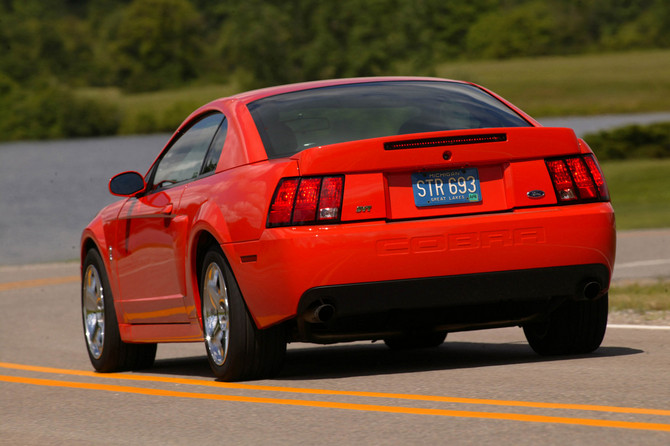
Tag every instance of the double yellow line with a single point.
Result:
(336, 405)
(38, 283)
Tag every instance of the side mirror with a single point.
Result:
(127, 184)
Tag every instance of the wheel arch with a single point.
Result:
(87, 244)
(203, 241)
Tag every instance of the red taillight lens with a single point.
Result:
(303, 201)
(281, 209)
(560, 176)
(598, 177)
(577, 178)
(582, 177)
(307, 200)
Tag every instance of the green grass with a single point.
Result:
(158, 111)
(641, 297)
(628, 82)
(640, 191)
(588, 84)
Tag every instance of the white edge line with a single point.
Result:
(639, 327)
(643, 263)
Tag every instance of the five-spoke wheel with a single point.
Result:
(215, 313)
(106, 350)
(93, 308)
(236, 348)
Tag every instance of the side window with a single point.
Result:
(184, 159)
(212, 158)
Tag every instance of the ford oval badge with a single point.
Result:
(536, 194)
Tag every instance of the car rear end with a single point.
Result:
(493, 222)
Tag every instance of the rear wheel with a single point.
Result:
(236, 349)
(416, 340)
(576, 327)
(106, 350)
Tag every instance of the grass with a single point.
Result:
(164, 110)
(640, 191)
(576, 85)
(628, 82)
(641, 297)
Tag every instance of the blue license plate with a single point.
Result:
(446, 187)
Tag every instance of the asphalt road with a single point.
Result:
(483, 387)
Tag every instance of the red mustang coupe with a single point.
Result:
(394, 209)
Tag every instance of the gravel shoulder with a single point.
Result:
(632, 317)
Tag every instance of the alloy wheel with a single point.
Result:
(93, 307)
(216, 314)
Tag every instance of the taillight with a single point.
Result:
(282, 202)
(330, 199)
(304, 201)
(598, 177)
(577, 179)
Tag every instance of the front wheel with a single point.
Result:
(236, 349)
(106, 350)
(576, 327)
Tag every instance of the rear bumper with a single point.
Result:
(372, 265)
(450, 303)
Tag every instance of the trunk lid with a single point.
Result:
(462, 172)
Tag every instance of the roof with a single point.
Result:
(254, 95)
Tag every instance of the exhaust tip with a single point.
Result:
(322, 313)
(591, 290)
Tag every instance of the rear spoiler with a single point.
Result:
(430, 150)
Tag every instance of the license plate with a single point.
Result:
(446, 187)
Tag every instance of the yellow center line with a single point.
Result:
(298, 390)
(38, 282)
(344, 406)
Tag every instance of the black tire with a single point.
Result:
(236, 349)
(576, 327)
(416, 340)
(106, 350)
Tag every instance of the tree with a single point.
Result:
(529, 29)
(156, 44)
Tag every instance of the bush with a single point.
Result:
(45, 112)
(635, 141)
(88, 117)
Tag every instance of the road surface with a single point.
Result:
(484, 387)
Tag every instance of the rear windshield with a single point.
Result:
(291, 122)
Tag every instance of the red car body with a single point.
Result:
(385, 266)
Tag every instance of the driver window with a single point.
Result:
(184, 159)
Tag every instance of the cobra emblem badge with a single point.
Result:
(535, 194)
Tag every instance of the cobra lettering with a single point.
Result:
(462, 241)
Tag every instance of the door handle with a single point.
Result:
(167, 210)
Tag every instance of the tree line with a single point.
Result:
(49, 48)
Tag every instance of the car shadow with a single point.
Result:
(377, 359)
(367, 359)
(192, 366)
